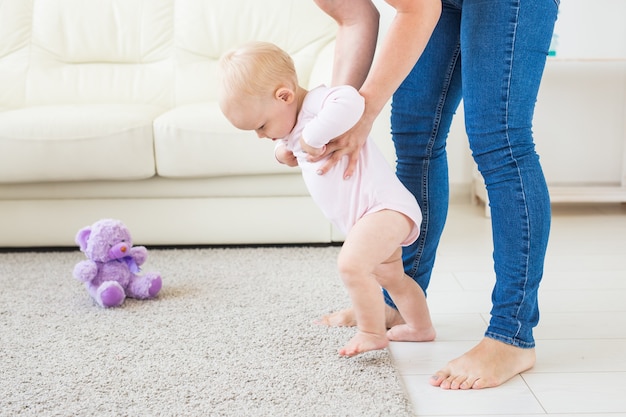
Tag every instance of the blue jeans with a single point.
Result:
(491, 54)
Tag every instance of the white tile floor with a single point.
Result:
(581, 338)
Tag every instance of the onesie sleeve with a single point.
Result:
(341, 108)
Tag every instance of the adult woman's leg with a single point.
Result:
(500, 85)
(504, 45)
(422, 111)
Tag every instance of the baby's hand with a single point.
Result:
(313, 152)
(285, 156)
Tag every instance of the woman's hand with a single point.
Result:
(350, 144)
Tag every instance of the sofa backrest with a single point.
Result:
(160, 52)
(15, 31)
(207, 29)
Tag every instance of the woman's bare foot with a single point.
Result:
(346, 318)
(364, 342)
(406, 333)
(488, 364)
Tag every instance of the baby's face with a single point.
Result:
(270, 118)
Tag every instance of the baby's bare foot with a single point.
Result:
(346, 318)
(489, 364)
(364, 342)
(406, 333)
(341, 318)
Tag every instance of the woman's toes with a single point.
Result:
(469, 383)
(437, 379)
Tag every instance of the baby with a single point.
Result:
(259, 91)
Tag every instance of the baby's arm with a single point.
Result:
(341, 109)
(310, 149)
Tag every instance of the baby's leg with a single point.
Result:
(410, 300)
(363, 260)
(367, 299)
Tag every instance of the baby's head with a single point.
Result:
(256, 69)
(256, 78)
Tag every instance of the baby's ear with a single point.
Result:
(285, 94)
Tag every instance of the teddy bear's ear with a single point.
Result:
(82, 236)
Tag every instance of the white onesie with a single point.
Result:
(328, 112)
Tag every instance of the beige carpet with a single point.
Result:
(231, 334)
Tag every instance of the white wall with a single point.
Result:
(591, 29)
(580, 119)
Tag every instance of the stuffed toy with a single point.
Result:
(110, 272)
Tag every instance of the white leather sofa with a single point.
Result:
(107, 109)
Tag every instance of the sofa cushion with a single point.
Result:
(77, 142)
(196, 140)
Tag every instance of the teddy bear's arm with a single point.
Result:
(139, 254)
(85, 271)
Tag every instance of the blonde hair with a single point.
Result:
(256, 69)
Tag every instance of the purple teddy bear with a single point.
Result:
(110, 273)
